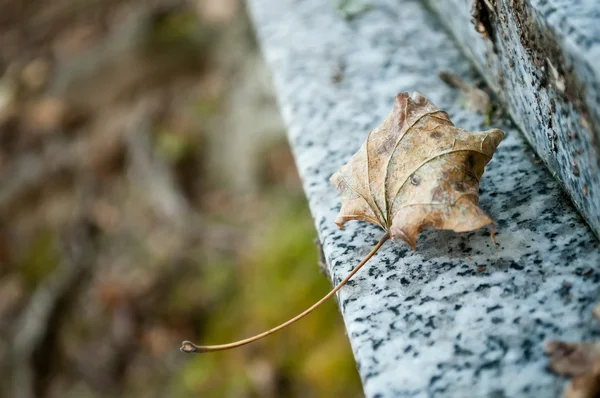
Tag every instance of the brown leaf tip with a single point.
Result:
(409, 108)
(492, 140)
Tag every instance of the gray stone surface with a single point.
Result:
(426, 323)
(543, 59)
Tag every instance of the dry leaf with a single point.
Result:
(572, 359)
(417, 170)
(581, 361)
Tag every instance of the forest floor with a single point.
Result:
(148, 196)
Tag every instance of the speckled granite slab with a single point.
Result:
(433, 322)
(542, 57)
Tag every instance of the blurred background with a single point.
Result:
(148, 196)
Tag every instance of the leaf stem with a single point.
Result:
(189, 347)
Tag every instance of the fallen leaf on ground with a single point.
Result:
(581, 361)
(417, 170)
(572, 359)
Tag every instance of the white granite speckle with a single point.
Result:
(426, 323)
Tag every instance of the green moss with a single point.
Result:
(205, 107)
(40, 259)
(178, 34)
(277, 278)
(175, 25)
(172, 146)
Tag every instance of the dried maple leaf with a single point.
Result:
(417, 170)
(581, 361)
(572, 359)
